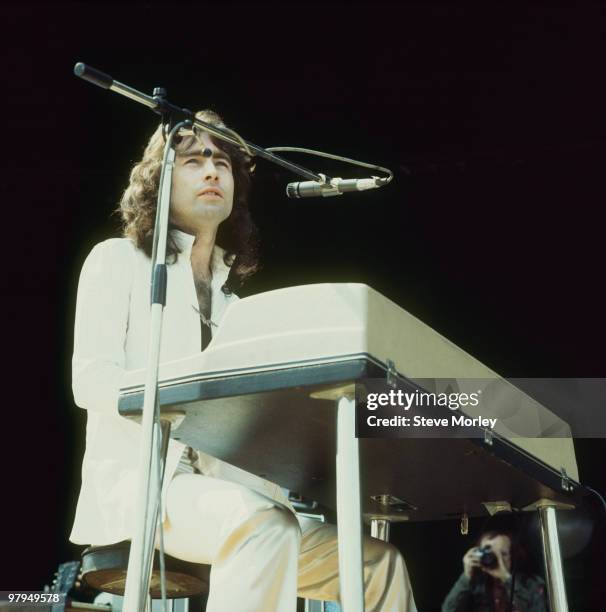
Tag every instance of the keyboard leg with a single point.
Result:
(552, 558)
(349, 512)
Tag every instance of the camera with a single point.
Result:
(487, 558)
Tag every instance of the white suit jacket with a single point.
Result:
(111, 336)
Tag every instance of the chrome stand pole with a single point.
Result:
(553, 559)
(349, 513)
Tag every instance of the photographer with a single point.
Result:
(486, 581)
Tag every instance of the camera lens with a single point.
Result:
(487, 558)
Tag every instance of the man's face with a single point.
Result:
(502, 544)
(203, 188)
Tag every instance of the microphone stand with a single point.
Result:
(149, 490)
(140, 560)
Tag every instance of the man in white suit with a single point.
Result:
(214, 513)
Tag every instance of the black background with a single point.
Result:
(492, 231)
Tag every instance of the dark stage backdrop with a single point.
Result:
(492, 231)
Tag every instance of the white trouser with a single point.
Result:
(261, 557)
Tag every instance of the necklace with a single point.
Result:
(207, 322)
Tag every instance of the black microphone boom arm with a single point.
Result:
(161, 106)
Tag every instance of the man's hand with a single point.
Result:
(471, 561)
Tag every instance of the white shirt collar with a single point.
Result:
(218, 267)
(184, 241)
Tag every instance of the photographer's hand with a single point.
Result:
(471, 561)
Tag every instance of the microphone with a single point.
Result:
(337, 186)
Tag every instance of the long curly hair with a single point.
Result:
(237, 235)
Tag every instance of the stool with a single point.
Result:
(104, 569)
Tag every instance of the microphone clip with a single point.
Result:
(329, 187)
